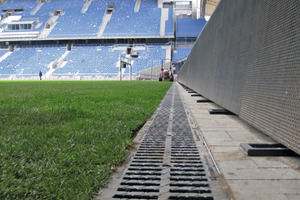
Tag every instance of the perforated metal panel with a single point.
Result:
(247, 60)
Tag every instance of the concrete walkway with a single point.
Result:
(196, 155)
(259, 178)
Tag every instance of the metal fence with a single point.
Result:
(247, 60)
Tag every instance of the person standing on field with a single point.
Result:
(40, 74)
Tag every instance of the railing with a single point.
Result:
(19, 35)
(15, 36)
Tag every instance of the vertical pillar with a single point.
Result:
(130, 71)
(160, 3)
(120, 69)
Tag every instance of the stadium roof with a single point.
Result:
(196, 8)
(211, 6)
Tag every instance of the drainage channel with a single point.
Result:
(167, 164)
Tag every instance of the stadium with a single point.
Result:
(74, 33)
(149, 99)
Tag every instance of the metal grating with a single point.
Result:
(247, 60)
(167, 164)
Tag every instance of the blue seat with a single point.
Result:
(190, 27)
(124, 21)
(181, 53)
(29, 61)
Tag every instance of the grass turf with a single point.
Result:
(60, 139)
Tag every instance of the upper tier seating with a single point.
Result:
(73, 23)
(126, 22)
(169, 23)
(28, 6)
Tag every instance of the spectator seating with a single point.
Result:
(154, 56)
(169, 23)
(28, 6)
(181, 53)
(73, 23)
(126, 22)
(190, 27)
(103, 60)
(29, 61)
(81, 60)
(87, 60)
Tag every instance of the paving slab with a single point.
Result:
(272, 162)
(265, 189)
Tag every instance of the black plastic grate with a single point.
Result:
(167, 164)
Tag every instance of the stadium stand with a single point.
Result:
(75, 23)
(2, 52)
(153, 56)
(29, 61)
(19, 12)
(27, 5)
(190, 27)
(104, 60)
(79, 19)
(81, 60)
(90, 60)
(169, 23)
(181, 53)
(126, 22)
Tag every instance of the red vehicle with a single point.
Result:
(166, 75)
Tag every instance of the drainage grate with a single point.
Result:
(167, 164)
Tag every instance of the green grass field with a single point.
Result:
(61, 139)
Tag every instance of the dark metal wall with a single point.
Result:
(247, 60)
(81, 40)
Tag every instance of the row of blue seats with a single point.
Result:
(190, 27)
(76, 24)
(169, 24)
(125, 21)
(181, 53)
(82, 60)
(104, 60)
(29, 61)
(28, 6)
(154, 56)
(73, 23)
